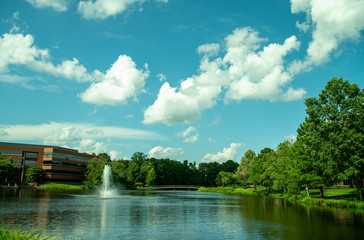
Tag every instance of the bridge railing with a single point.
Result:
(174, 187)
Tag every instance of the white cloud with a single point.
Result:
(246, 71)
(92, 146)
(256, 74)
(83, 137)
(209, 49)
(115, 155)
(191, 139)
(226, 154)
(333, 22)
(121, 82)
(101, 9)
(19, 49)
(13, 78)
(57, 5)
(161, 77)
(72, 133)
(186, 134)
(160, 152)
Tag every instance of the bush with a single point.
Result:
(35, 174)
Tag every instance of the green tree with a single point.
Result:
(209, 172)
(94, 172)
(246, 161)
(225, 178)
(144, 170)
(35, 174)
(286, 175)
(8, 170)
(151, 177)
(120, 172)
(104, 156)
(230, 166)
(332, 134)
(257, 169)
(267, 162)
(133, 173)
(139, 158)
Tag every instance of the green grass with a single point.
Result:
(341, 198)
(16, 234)
(340, 193)
(63, 186)
(234, 190)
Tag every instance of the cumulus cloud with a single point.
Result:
(72, 133)
(92, 146)
(115, 155)
(160, 152)
(101, 9)
(19, 49)
(121, 82)
(187, 135)
(209, 49)
(57, 5)
(16, 79)
(333, 22)
(161, 77)
(246, 71)
(226, 154)
(256, 74)
(83, 137)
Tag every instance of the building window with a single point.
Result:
(66, 156)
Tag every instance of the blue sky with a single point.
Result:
(197, 80)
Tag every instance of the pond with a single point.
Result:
(173, 215)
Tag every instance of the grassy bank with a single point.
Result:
(17, 234)
(63, 186)
(341, 198)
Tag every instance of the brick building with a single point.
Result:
(61, 164)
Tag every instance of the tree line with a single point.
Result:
(329, 146)
(143, 171)
(329, 149)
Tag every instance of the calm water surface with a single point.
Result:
(174, 215)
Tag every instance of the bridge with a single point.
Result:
(174, 187)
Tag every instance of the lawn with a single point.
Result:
(63, 186)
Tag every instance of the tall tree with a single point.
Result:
(94, 172)
(139, 158)
(8, 169)
(35, 174)
(246, 161)
(332, 134)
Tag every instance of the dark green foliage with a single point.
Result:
(120, 172)
(225, 179)
(8, 170)
(329, 146)
(141, 171)
(35, 174)
(332, 136)
(95, 168)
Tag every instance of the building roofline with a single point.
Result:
(37, 146)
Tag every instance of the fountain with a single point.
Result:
(107, 189)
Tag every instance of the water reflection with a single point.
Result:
(173, 215)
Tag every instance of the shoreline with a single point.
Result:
(348, 203)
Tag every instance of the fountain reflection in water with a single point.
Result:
(108, 189)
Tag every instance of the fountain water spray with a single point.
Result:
(107, 189)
